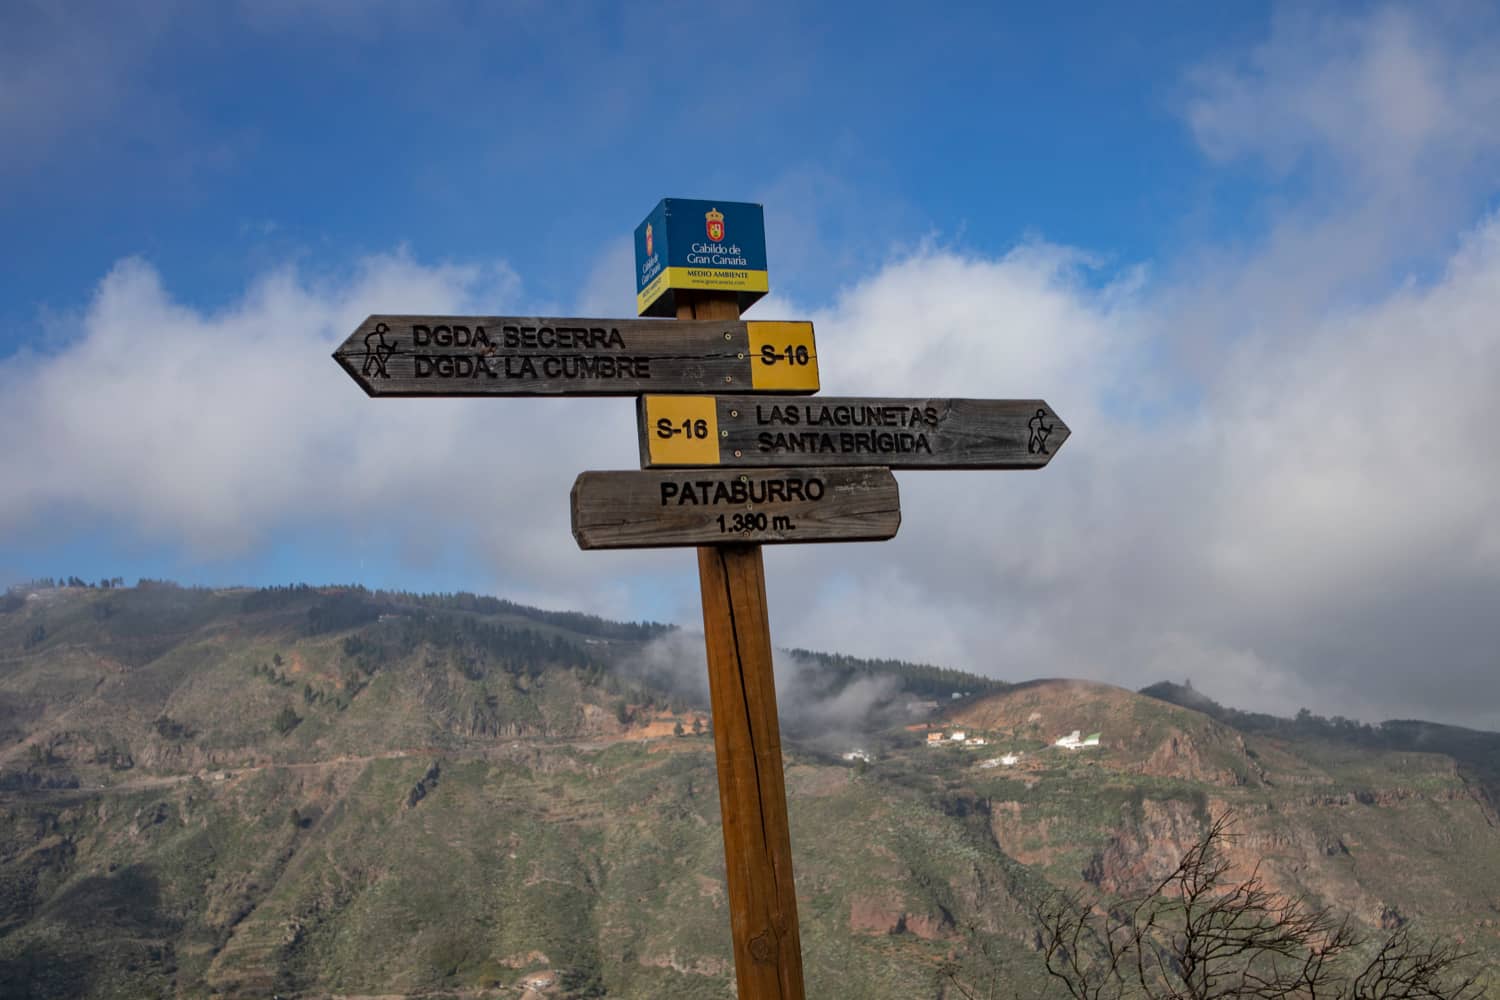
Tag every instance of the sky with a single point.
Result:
(1249, 253)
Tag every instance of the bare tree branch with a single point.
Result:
(1197, 934)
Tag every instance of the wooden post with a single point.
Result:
(747, 745)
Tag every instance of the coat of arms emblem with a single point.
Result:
(715, 220)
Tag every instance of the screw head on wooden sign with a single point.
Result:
(676, 507)
(741, 431)
(538, 356)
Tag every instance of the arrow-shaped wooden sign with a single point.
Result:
(666, 507)
(740, 431)
(537, 356)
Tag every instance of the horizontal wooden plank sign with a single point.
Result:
(537, 356)
(632, 510)
(741, 431)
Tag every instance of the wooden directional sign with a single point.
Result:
(759, 469)
(537, 356)
(740, 431)
(658, 508)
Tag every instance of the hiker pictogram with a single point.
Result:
(1039, 431)
(377, 351)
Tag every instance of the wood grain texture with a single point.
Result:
(902, 433)
(763, 923)
(403, 355)
(671, 507)
(752, 786)
(693, 304)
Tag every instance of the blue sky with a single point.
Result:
(219, 140)
(1247, 251)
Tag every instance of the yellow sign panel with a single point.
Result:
(682, 430)
(652, 291)
(783, 356)
(716, 279)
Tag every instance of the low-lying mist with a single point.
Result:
(823, 708)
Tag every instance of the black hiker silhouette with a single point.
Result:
(377, 354)
(1037, 445)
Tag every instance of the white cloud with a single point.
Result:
(1278, 482)
(1325, 503)
(1330, 485)
(1384, 131)
(1400, 92)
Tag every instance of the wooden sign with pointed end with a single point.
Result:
(744, 431)
(539, 356)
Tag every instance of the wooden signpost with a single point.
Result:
(764, 932)
(734, 454)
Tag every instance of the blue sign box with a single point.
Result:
(687, 244)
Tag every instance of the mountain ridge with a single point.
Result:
(334, 791)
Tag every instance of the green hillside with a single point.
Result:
(321, 792)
